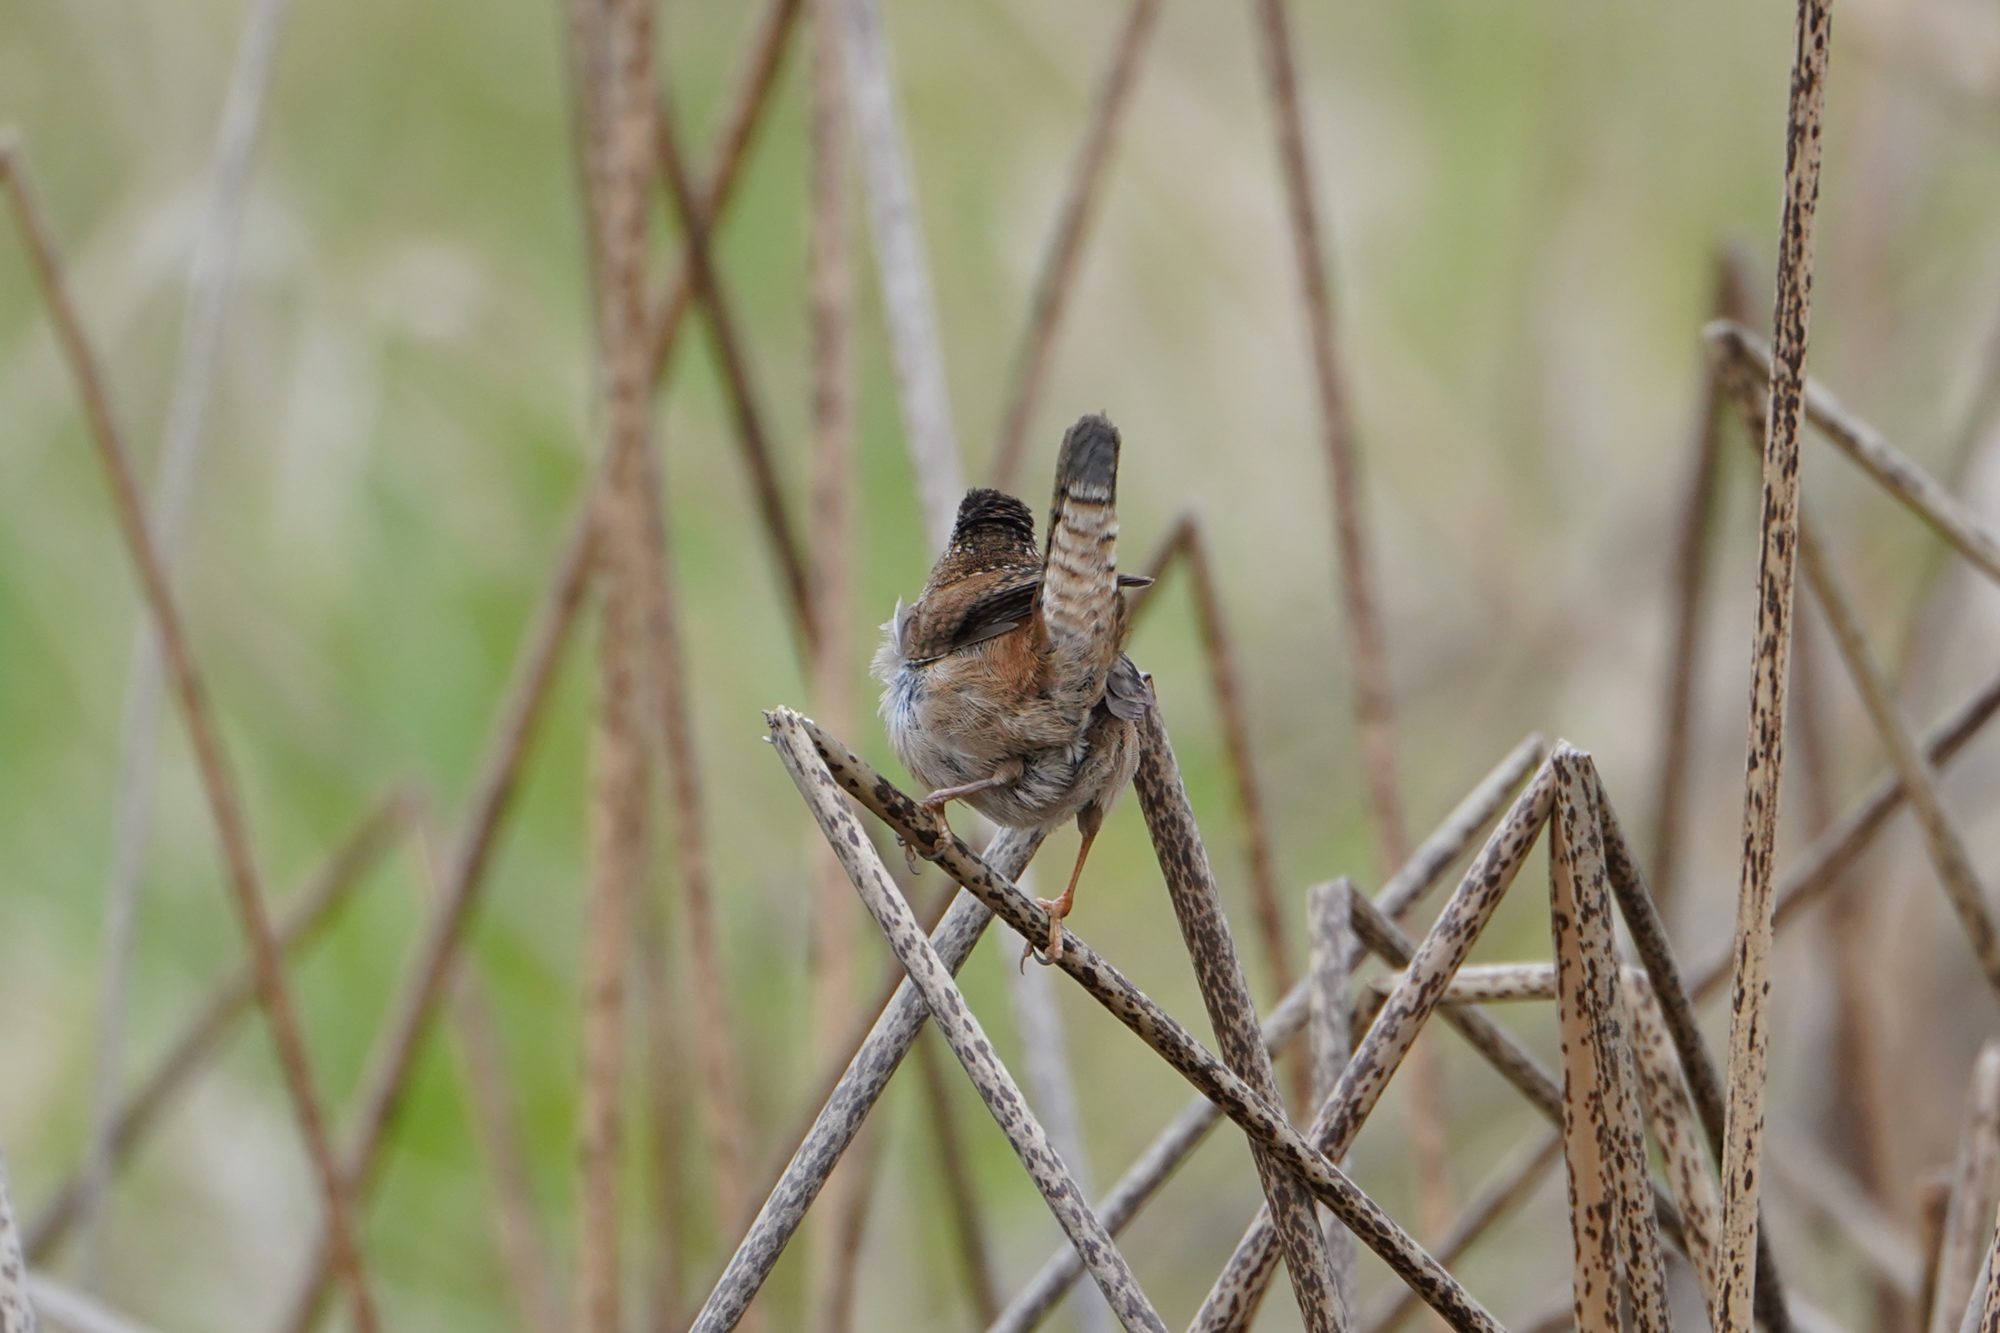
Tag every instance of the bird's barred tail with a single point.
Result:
(1080, 605)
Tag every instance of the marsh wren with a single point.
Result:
(1006, 684)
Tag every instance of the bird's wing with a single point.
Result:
(1006, 605)
(1127, 693)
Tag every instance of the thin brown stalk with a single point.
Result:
(308, 912)
(955, 1021)
(1187, 1130)
(1056, 278)
(1933, 1203)
(1264, 1123)
(1975, 1184)
(1509, 1189)
(622, 138)
(1388, 1041)
(1893, 470)
(748, 103)
(1330, 923)
(738, 388)
(395, 1053)
(1197, 904)
(901, 267)
(245, 880)
(496, 1119)
(1693, 541)
(1749, 1026)
(1616, 1244)
(212, 282)
(967, 1226)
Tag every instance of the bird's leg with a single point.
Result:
(1088, 821)
(934, 803)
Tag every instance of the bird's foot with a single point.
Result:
(1052, 951)
(935, 808)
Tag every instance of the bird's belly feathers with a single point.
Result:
(947, 732)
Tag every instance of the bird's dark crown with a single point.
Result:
(985, 515)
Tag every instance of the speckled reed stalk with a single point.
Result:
(244, 878)
(1330, 927)
(1186, 1131)
(1675, 1129)
(1197, 905)
(1750, 1017)
(955, 1022)
(1443, 951)
(1975, 1183)
(1055, 280)
(850, 1102)
(1263, 1122)
(1676, 998)
(1890, 468)
(1616, 1243)
(307, 914)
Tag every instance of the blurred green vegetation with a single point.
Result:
(1524, 202)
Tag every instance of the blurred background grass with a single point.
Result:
(1524, 204)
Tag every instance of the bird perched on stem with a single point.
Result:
(1007, 684)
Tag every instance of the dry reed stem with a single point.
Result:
(1677, 1132)
(738, 388)
(212, 275)
(749, 99)
(1749, 1027)
(1975, 1183)
(848, 1105)
(395, 1053)
(1826, 1189)
(1181, 1136)
(1693, 541)
(1442, 952)
(1949, 856)
(1894, 471)
(244, 879)
(956, 1023)
(901, 267)
(1616, 1246)
(306, 915)
(968, 1227)
(1509, 1189)
(1056, 278)
(17, 1307)
(1197, 903)
(496, 1119)
(1989, 1316)
(1330, 927)
(1264, 1123)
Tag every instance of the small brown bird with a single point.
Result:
(1006, 684)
